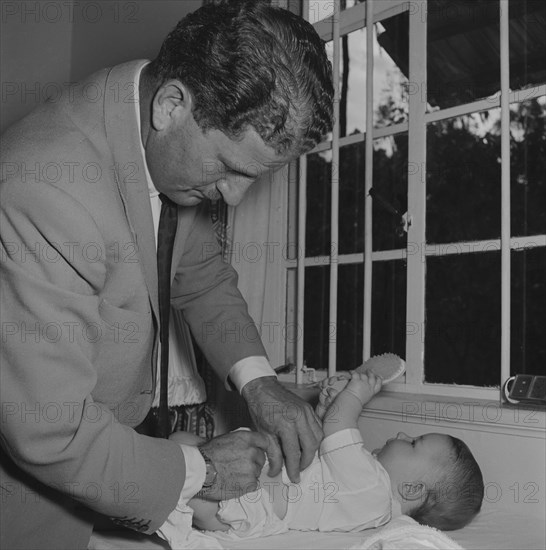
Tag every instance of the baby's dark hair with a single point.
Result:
(456, 497)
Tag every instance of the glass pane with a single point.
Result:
(463, 323)
(528, 311)
(352, 89)
(389, 308)
(318, 10)
(351, 198)
(319, 185)
(528, 167)
(350, 310)
(463, 178)
(391, 70)
(463, 51)
(347, 330)
(391, 44)
(390, 183)
(316, 327)
(321, 9)
(527, 43)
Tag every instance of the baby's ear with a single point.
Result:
(412, 490)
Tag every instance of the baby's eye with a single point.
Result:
(413, 442)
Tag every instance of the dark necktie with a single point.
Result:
(165, 243)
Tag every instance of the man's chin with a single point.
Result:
(189, 201)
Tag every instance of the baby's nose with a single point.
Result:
(403, 436)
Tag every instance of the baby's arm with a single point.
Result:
(204, 515)
(345, 409)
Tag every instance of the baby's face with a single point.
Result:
(409, 459)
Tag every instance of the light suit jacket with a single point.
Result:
(80, 319)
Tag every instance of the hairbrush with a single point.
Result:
(387, 366)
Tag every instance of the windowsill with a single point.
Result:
(445, 411)
(441, 410)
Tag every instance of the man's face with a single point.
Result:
(189, 165)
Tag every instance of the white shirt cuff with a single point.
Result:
(248, 369)
(178, 524)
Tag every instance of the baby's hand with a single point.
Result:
(364, 385)
(329, 388)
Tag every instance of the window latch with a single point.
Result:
(404, 221)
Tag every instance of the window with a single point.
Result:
(427, 239)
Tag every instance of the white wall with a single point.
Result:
(114, 31)
(508, 443)
(46, 44)
(35, 54)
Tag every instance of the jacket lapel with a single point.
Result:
(123, 138)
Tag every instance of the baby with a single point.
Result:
(433, 478)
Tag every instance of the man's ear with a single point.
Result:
(412, 490)
(172, 102)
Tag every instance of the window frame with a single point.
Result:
(341, 23)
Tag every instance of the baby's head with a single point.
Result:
(435, 478)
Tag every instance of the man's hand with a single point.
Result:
(238, 458)
(286, 419)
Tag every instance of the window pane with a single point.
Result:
(527, 43)
(391, 70)
(463, 178)
(319, 186)
(391, 44)
(347, 330)
(316, 324)
(318, 10)
(321, 9)
(389, 308)
(463, 323)
(463, 51)
(528, 311)
(350, 311)
(351, 198)
(390, 182)
(528, 167)
(352, 81)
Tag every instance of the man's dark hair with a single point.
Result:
(457, 496)
(247, 63)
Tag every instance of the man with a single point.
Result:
(237, 91)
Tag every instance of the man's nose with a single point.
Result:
(233, 191)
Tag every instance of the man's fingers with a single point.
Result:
(291, 448)
(258, 439)
(307, 452)
(274, 455)
(310, 440)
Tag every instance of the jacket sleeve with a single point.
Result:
(205, 288)
(54, 339)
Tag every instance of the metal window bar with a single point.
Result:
(302, 214)
(505, 191)
(334, 212)
(368, 183)
(415, 299)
